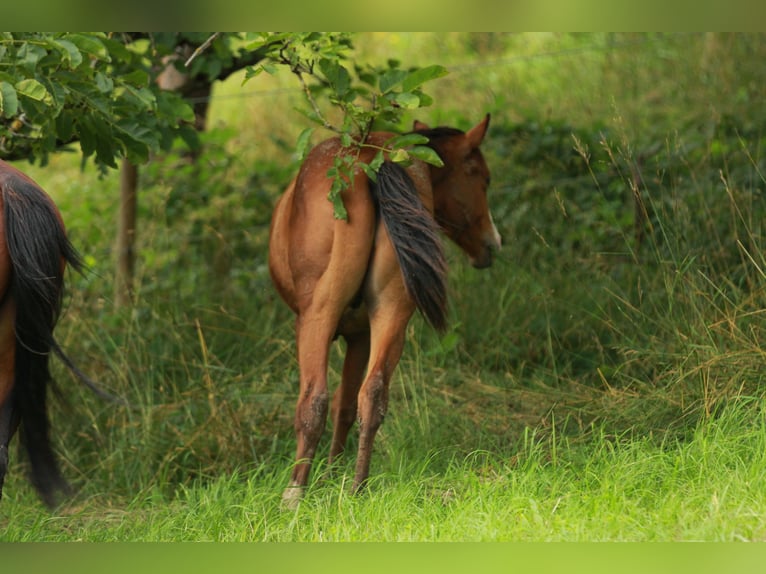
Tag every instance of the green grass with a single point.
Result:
(603, 381)
(598, 487)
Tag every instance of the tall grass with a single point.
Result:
(601, 382)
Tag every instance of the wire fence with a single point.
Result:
(600, 45)
(478, 64)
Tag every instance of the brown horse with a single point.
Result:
(362, 278)
(34, 251)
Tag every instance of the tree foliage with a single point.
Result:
(100, 89)
(94, 88)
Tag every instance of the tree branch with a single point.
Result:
(326, 124)
(201, 48)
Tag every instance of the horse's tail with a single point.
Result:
(38, 249)
(415, 238)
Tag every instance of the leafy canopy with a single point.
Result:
(99, 89)
(93, 88)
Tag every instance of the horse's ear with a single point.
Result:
(418, 126)
(476, 134)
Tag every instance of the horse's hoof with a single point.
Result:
(291, 497)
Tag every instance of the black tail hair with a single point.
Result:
(415, 237)
(37, 243)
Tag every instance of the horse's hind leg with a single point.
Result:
(388, 331)
(314, 334)
(8, 419)
(344, 404)
(9, 422)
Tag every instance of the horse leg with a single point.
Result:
(314, 335)
(9, 420)
(388, 332)
(344, 404)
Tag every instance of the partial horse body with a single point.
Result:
(34, 251)
(362, 278)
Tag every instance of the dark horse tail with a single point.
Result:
(415, 237)
(38, 248)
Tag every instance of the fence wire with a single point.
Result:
(468, 67)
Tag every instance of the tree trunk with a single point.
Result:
(198, 91)
(126, 234)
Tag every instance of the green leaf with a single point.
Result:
(253, 71)
(90, 45)
(264, 39)
(65, 125)
(407, 140)
(407, 100)
(304, 139)
(118, 50)
(70, 52)
(427, 155)
(137, 131)
(143, 96)
(105, 142)
(336, 75)
(29, 55)
(390, 80)
(377, 161)
(9, 102)
(104, 83)
(189, 135)
(367, 77)
(425, 99)
(137, 139)
(59, 93)
(400, 156)
(137, 78)
(34, 90)
(422, 75)
(174, 108)
(338, 209)
(86, 135)
(369, 171)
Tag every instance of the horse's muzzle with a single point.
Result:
(485, 259)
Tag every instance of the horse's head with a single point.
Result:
(460, 190)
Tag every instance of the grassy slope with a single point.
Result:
(609, 391)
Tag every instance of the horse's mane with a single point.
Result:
(438, 133)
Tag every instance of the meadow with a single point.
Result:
(603, 381)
